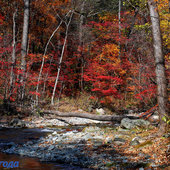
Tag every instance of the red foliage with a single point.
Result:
(106, 69)
(34, 93)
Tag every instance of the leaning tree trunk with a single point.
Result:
(115, 118)
(160, 65)
(61, 58)
(24, 46)
(43, 60)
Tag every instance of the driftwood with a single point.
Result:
(90, 116)
(54, 113)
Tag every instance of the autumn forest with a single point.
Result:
(104, 49)
(79, 56)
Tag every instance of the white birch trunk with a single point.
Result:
(13, 59)
(61, 58)
(43, 60)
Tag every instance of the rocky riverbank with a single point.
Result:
(97, 147)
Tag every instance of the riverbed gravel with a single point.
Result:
(89, 147)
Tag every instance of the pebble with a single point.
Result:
(141, 168)
(134, 142)
(119, 141)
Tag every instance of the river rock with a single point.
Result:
(166, 135)
(87, 136)
(17, 123)
(127, 123)
(134, 142)
(141, 168)
(51, 147)
(119, 141)
(90, 108)
(100, 111)
(108, 140)
(130, 112)
(154, 118)
(54, 133)
(91, 129)
(141, 123)
(130, 124)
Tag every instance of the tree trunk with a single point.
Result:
(119, 16)
(13, 60)
(160, 65)
(61, 58)
(81, 43)
(43, 60)
(24, 46)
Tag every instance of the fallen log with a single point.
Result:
(90, 116)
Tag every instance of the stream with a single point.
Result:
(20, 136)
(76, 147)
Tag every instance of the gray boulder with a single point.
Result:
(130, 124)
(141, 123)
(17, 123)
(127, 123)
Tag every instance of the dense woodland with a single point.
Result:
(104, 50)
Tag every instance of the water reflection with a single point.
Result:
(20, 136)
(26, 163)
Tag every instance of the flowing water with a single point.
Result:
(21, 136)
